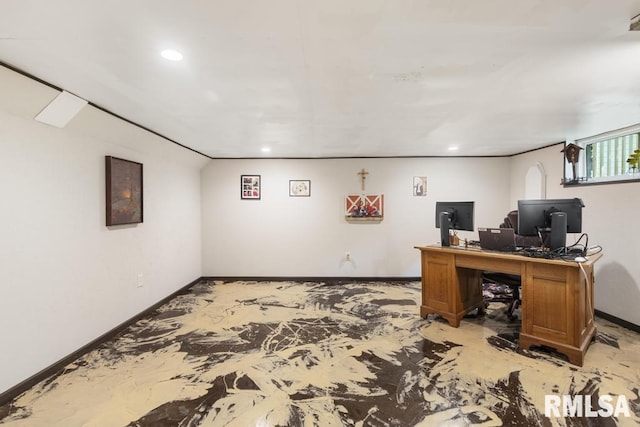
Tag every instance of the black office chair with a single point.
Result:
(513, 281)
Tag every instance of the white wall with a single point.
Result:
(610, 218)
(294, 236)
(65, 278)
(284, 236)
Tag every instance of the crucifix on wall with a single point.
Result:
(363, 177)
(364, 207)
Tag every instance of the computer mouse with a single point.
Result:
(580, 259)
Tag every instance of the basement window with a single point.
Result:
(610, 157)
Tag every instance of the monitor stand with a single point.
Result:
(445, 225)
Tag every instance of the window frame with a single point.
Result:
(583, 160)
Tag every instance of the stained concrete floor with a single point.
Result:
(316, 354)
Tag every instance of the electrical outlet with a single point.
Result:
(140, 280)
(347, 256)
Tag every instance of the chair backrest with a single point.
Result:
(511, 221)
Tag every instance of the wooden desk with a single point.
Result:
(557, 298)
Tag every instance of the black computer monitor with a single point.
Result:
(453, 216)
(555, 217)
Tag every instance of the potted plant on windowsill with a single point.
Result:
(634, 161)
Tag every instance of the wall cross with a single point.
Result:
(362, 174)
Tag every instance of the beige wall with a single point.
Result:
(65, 278)
(285, 236)
(610, 218)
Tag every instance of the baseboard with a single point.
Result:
(326, 279)
(25, 385)
(616, 320)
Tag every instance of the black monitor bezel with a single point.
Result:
(534, 218)
(461, 221)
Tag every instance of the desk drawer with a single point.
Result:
(550, 272)
(488, 264)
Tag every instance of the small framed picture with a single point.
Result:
(299, 188)
(250, 187)
(419, 185)
(124, 191)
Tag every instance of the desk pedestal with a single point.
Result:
(455, 291)
(557, 298)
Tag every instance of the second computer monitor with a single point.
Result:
(554, 217)
(534, 215)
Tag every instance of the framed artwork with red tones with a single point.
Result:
(124, 191)
(364, 207)
(250, 187)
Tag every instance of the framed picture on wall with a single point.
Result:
(419, 185)
(250, 187)
(124, 191)
(361, 207)
(299, 188)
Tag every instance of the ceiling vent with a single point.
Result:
(61, 110)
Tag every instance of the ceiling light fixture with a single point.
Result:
(171, 55)
(266, 149)
(453, 148)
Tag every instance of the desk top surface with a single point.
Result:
(477, 251)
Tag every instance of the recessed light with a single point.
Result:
(171, 55)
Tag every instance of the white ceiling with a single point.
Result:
(341, 78)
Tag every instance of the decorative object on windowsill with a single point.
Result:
(572, 154)
(634, 161)
(582, 179)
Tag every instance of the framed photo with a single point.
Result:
(250, 187)
(419, 185)
(124, 191)
(299, 188)
(361, 207)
